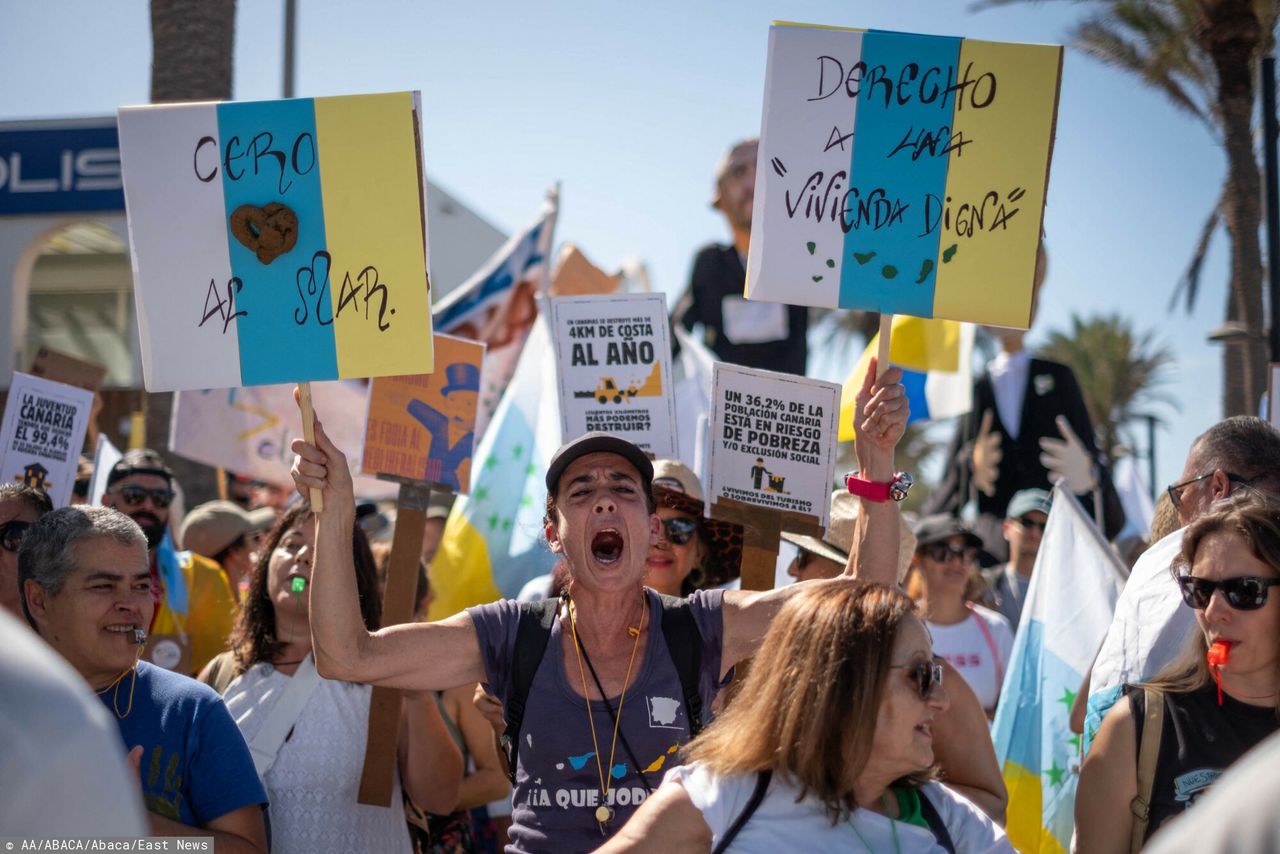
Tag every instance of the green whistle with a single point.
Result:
(298, 585)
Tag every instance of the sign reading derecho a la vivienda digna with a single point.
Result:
(773, 439)
(614, 363)
(277, 241)
(42, 434)
(902, 173)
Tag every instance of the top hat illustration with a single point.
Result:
(461, 376)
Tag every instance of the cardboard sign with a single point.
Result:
(423, 427)
(904, 174)
(277, 241)
(248, 430)
(773, 440)
(42, 433)
(62, 368)
(614, 365)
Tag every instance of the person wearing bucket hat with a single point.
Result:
(227, 535)
(693, 551)
(976, 641)
(826, 557)
(600, 518)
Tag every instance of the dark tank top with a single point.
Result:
(1199, 741)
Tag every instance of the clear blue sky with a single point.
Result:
(630, 105)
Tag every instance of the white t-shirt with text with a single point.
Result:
(978, 647)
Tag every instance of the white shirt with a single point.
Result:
(1009, 385)
(315, 780)
(982, 657)
(782, 824)
(62, 760)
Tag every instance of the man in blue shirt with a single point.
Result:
(86, 589)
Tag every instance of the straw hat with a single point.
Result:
(840, 529)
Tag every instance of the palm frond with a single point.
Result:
(1189, 284)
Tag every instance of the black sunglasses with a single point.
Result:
(926, 674)
(133, 496)
(1031, 524)
(1245, 593)
(1175, 489)
(941, 551)
(11, 534)
(679, 529)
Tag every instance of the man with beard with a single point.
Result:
(194, 608)
(754, 334)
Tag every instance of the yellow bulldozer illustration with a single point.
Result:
(607, 391)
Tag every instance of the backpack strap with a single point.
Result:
(1148, 753)
(684, 642)
(937, 826)
(753, 803)
(533, 632)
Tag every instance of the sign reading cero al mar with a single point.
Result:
(614, 364)
(773, 439)
(277, 241)
(423, 427)
(902, 173)
(42, 433)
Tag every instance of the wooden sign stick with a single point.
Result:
(377, 778)
(882, 351)
(761, 536)
(309, 433)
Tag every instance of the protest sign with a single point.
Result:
(62, 368)
(614, 365)
(42, 433)
(773, 439)
(277, 241)
(248, 430)
(422, 427)
(904, 174)
(105, 457)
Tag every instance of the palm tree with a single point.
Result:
(1119, 371)
(1204, 56)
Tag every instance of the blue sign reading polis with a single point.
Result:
(60, 166)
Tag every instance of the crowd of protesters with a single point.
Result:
(236, 655)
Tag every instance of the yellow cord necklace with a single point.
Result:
(603, 813)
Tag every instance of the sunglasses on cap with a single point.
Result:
(133, 496)
(679, 529)
(11, 534)
(941, 551)
(1245, 593)
(925, 674)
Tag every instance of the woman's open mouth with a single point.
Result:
(606, 546)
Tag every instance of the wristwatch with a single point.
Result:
(896, 488)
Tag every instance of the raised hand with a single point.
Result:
(322, 466)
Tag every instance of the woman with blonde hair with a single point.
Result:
(829, 745)
(1165, 742)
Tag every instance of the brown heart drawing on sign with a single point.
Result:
(268, 232)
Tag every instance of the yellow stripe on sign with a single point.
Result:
(461, 573)
(987, 254)
(369, 176)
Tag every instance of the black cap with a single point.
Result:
(139, 461)
(595, 442)
(941, 526)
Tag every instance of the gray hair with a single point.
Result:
(47, 555)
(1245, 446)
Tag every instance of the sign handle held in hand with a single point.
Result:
(882, 351)
(309, 433)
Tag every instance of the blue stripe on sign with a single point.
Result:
(271, 155)
(897, 164)
(914, 382)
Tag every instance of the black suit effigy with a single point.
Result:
(1051, 391)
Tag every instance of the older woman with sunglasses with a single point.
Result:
(1165, 742)
(976, 641)
(828, 747)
